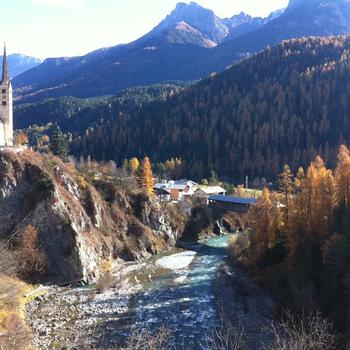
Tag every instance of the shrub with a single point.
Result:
(14, 335)
(145, 339)
(177, 217)
(31, 259)
(91, 296)
(45, 185)
(225, 339)
(104, 283)
(310, 332)
(82, 182)
(238, 245)
(107, 266)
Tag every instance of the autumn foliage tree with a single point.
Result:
(319, 195)
(342, 176)
(145, 177)
(264, 219)
(21, 139)
(134, 165)
(300, 241)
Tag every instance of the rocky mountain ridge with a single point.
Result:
(182, 38)
(189, 44)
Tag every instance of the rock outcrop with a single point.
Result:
(79, 224)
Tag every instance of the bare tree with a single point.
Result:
(225, 339)
(145, 339)
(310, 332)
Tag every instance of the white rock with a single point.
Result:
(176, 261)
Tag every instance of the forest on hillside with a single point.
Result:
(74, 115)
(284, 105)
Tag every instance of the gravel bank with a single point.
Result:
(242, 304)
(65, 317)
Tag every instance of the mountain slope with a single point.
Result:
(241, 24)
(191, 43)
(301, 18)
(283, 105)
(76, 115)
(19, 63)
(184, 37)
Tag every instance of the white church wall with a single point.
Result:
(2, 133)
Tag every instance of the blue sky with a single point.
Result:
(51, 28)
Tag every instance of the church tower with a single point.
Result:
(6, 106)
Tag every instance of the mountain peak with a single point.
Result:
(183, 9)
(180, 5)
(197, 17)
(239, 19)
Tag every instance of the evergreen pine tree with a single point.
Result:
(59, 145)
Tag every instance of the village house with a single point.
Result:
(163, 194)
(203, 193)
(175, 190)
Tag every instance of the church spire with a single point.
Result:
(5, 68)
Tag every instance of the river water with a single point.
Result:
(182, 300)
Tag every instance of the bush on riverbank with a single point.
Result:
(238, 246)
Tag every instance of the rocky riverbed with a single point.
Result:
(67, 318)
(179, 291)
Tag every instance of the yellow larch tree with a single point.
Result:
(342, 176)
(147, 182)
(134, 164)
(264, 219)
(319, 197)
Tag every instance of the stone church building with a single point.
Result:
(6, 106)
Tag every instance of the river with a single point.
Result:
(183, 300)
(173, 291)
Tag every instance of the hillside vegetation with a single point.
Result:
(299, 242)
(75, 115)
(284, 105)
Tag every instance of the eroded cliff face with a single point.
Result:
(78, 224)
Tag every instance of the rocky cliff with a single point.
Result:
(79, 224)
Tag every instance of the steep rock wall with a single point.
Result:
(77, 226)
